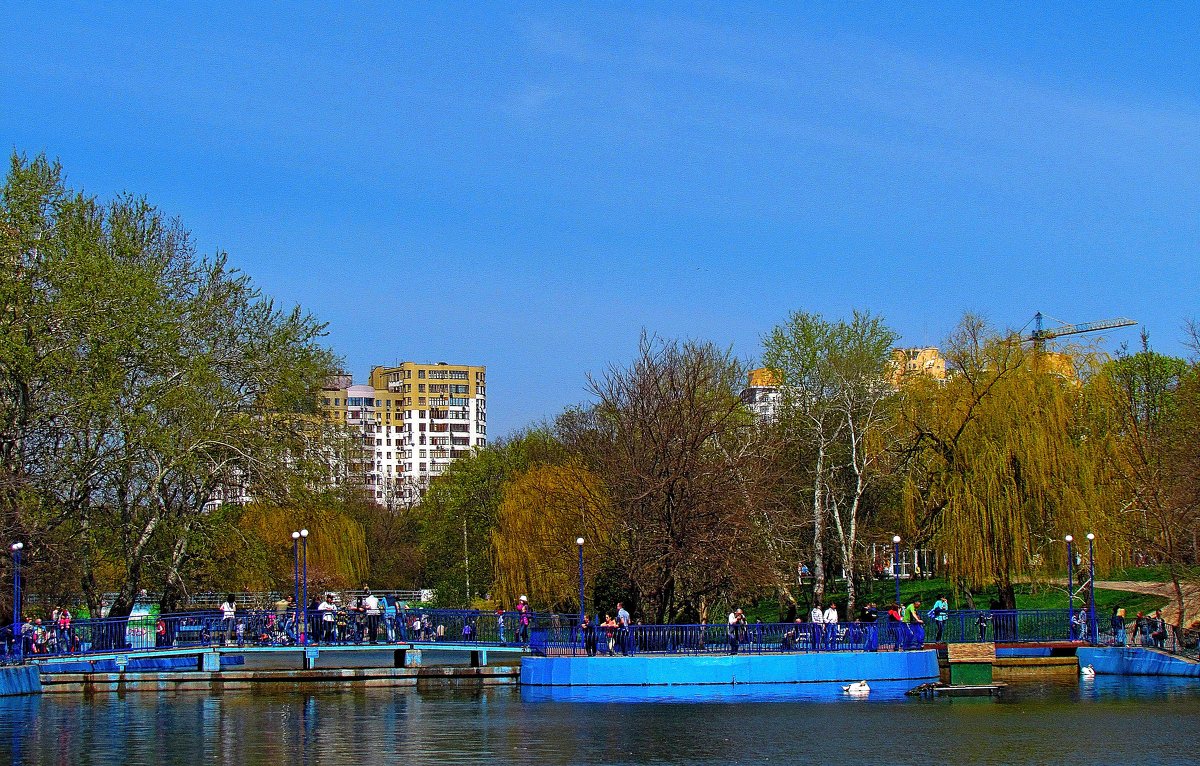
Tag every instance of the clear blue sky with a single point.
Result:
(529, 187)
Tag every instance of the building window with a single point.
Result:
(421, 374)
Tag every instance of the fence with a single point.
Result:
(261, 627)
(757, 638)
(547, 634)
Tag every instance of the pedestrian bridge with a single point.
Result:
(208, 641)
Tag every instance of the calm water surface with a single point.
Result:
(1106, 721)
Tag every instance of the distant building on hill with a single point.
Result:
(408, 423)
(925, 360)
(762, 395)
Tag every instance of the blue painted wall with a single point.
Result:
(1135, 661)
(20, 680)
(722, 669)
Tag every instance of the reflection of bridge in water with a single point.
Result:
(300, 639)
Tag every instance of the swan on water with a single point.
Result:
(859, 687)
(1087, 671)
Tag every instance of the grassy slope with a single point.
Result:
(1028, 597)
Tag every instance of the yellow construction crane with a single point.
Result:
(1040, 335)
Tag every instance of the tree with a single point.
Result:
(140, 381)
(836, 412)
(682, 466)
(1003, 460)
(1156, 401)
(458, 514)
(543, 511)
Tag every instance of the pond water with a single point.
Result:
(1103, 721)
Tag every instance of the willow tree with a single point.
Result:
(544, 510)
(1005, 459)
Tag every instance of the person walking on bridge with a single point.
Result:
(940, 613)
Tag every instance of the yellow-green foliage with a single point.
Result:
(1011, 459)
(544, 509)
(337, 546)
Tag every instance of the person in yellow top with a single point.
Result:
(914, 626)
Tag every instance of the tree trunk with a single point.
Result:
(818, 509)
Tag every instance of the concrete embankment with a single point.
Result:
(259, 680)
(19, 680)
(1136, 661)
(649, 670)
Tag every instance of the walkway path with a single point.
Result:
(1191, 596)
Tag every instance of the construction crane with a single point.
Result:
(1040, 335)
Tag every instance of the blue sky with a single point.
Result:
(528, 186)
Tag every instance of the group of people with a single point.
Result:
(53, 636)
(614, 629)
(1148, 630)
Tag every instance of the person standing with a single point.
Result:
(735, 625)
(1117, 623)
(940, 613)
(500, 624)
(523, 613)
(816, 619)
(228, 615)
(1158, 632)
(372, 612)
(622, 628)
(830, 619)
(328, 614)
(589, 636)
(914, 625)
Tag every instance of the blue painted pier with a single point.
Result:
(685, 670)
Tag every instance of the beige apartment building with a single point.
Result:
(408, 423)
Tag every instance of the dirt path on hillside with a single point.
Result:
(1191, 596)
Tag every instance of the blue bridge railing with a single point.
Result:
(269, 628)
(547, 634)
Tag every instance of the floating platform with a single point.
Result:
(958, 690)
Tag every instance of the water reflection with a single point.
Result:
(881, 691)
(1107, 720)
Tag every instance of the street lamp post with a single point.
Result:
(579, 542)
(296, 580)
(304, 603)
(1070, 587)
(18, 623)
(896, 565)
(1091, 538)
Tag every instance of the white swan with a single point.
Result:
(859, 687)
(1087, 671)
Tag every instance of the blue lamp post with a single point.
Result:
(579, 542)
(18, 623)
(896, 565)
(304, 603)
(1092, 586)
(296, 578)
(1070, 586)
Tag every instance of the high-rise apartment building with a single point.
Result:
(408, 423)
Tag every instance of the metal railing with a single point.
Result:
(1182, 642)
(266, 628)
(548, 634)
(756, 638)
